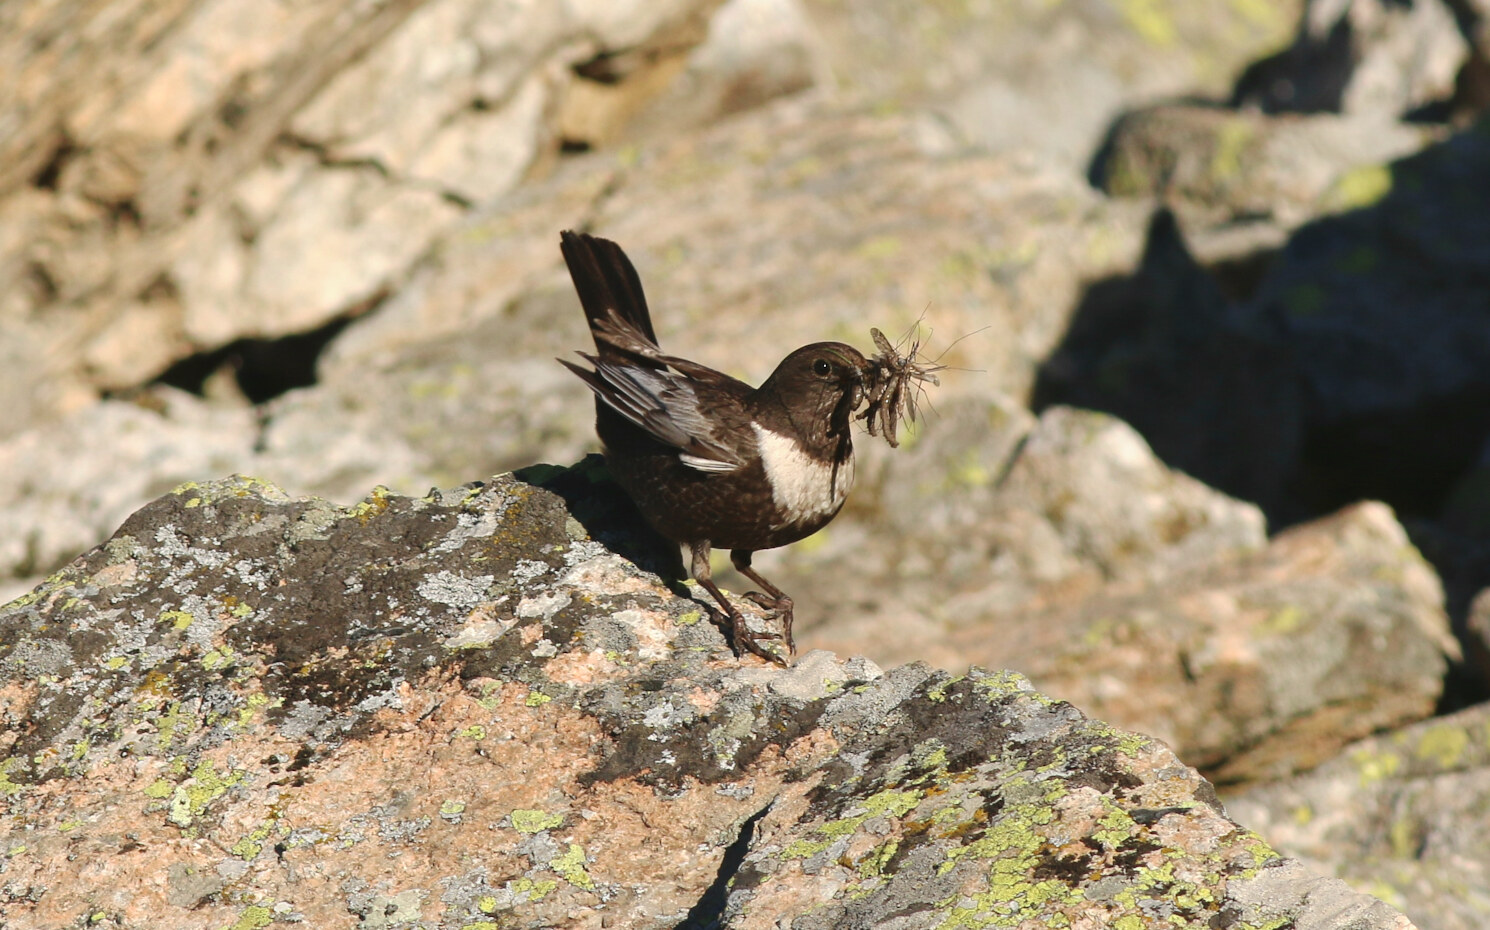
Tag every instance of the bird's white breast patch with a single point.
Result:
(800, 484)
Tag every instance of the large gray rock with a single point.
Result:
(60, 494)
(180, 177)
(1253, 667)
(1401, 815)
(462, 711)
(1220, 167)
(1043, 81)
(989, 512)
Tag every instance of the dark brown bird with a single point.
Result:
(709, 460)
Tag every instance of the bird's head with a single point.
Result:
(817, 388)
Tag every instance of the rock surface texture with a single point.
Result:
(1210, 461)
(1401, 815)
(462, 711)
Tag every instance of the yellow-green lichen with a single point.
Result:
(172, 719)
(1151, 20)
(1115, 828)
(536, 699)
(371, 506)
(534, 821)
(1360, 260)
(1305, 300)
(1444, 745)
(1284, 620)
(248, 847)
(1005, 683)
(533, 890)
(1014, 835)
(254, 917)
(255, 703)
(160, 789)
(806, 848)
(571, 866)
(1359, 187)
(1403, 835)
(1375, 766)
(930, 755)
(938, 691)
(190, 798)
(891, 803)
(475, 732)
(218, 658)
(1130, 744)
(874, 863)
(1232, 140)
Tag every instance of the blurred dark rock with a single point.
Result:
(1389, 57)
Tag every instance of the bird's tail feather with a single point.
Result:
(605, 280)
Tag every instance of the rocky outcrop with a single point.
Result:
(1399, 814)
(468, 710)
(1140, 595)
(179, 177)
(317, 244)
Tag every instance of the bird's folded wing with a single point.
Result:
(614, 330)
(663, 403)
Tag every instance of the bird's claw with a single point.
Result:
(749, 640)
(778, 608)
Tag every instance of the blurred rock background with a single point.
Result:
(1222, 270)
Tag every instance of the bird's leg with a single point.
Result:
(743, 637)
(775, 598)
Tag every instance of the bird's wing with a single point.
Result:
(665, 404)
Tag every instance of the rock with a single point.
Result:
(1037, 81)
(1162, 348)
(181, 177)
(1362, 56)
(60, 494)
(452, 375)
(1400, 814)
(465, 709)
(1394, 401)
(1478, 632)
(755, 51)
(1418, 220)
(1068, 551)
(990, 513)
(1308, 388)
(1218, 166)
(1254, 667)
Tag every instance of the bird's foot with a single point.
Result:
(778, 608)
(749, 640)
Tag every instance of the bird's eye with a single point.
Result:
(822, 367)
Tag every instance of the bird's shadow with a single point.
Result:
(610, 517)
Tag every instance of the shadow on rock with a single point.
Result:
(599, 505)
(1359, 369)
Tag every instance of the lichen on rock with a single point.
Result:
(478, 708)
